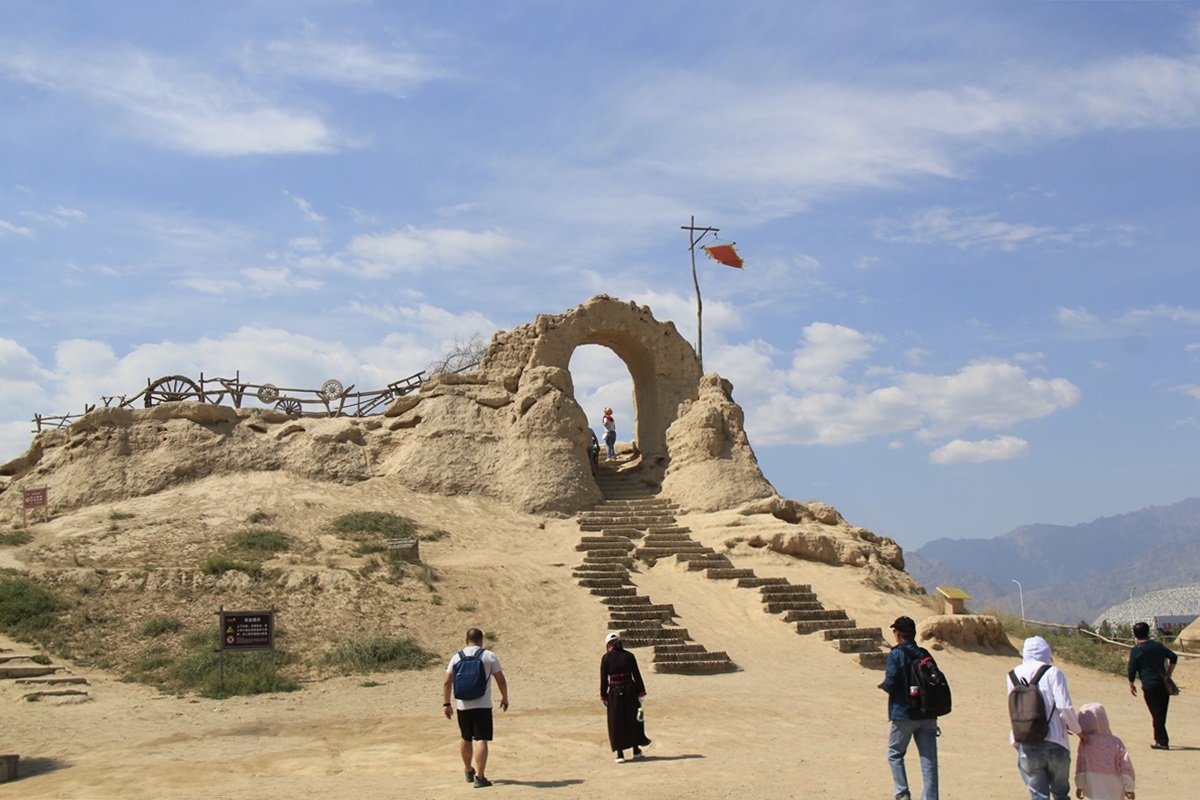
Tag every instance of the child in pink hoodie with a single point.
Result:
(1103, 770)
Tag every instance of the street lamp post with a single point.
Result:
(1021, 593)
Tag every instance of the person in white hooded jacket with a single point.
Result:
(1046, 766)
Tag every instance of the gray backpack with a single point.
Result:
(1027, 708)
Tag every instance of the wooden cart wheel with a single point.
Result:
(172, 389)
(289, 406)
(268, 393)
(331, 388)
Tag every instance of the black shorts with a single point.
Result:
(475, 724)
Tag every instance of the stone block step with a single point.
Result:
(54, 680)
(619, 591)
(7, 657)
(690, 647)
(664, 549)
(697, 667)
(642, 614)
(858, 645)
(773, 590)
(754, 583)
(639, 521)
(608, 557)
(658, 502)
(596, 527)
(831, 634)
(657, 632)
(707, 554)
(613, 545)
(595, 570)
(708, 561)
(656, 539)
(668, 530)
(780, 606)
(632, 641)
(727, 573)
(876, 660)
(815, 615)
(815, 625)
(625, 599)
(664, 658)
(26, 670)
(605, 583)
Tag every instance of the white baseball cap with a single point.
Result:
(612, 637)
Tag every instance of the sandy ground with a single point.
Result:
(799, 720)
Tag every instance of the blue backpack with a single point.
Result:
(470, 678)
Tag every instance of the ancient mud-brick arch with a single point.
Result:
(663, 365)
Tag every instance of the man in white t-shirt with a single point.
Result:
(475, 716)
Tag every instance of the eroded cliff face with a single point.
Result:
(510, 430)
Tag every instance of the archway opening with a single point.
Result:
(602, 379)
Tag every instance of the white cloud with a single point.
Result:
(941, 225)
(157, 100)
(959, 451)
(1083, 324)
(827, 395)
(7, 228)
(305, 207)
(412, 249)
(344, 63)
(826, 352)
(1192, 390)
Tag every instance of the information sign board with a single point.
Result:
(35, 498)
(247, 630)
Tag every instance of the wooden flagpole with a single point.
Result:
(693, 240)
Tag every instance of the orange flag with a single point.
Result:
(725, 254)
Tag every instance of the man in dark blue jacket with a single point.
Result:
(905, 727)
(1153, 662)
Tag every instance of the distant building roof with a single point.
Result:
(953, 593)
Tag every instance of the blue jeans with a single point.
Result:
(610, 439)
(1046, 770)
(924, 731)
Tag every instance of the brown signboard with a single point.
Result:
(35, 498)
(247, 630)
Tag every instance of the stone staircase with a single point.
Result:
(33, 670)
(633, 524)
(614, 532)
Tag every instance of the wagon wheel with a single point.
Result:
(172, 389)
(289, 406)
(267, 393)
(331, 388)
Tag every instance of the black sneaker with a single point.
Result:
(470, 774)
(481, 782)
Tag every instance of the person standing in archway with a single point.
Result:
(610, 433)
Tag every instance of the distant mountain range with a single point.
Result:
(1068, 573)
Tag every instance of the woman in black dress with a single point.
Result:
(622, 690)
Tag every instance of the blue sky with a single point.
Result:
(970, 299)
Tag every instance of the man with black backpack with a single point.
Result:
(909, 723)
(469, 676)
(1040, 708)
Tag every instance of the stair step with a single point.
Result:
(791, 605)
(690, 647)
(608, 557)
(620, 591)
(708, 561)
(624, 599)
(26, 671)
(675, 658)
(876, 660)
(830, 634)
(777, 590)
(697, 667)
(604, 583)
(632, 641)
(815, 615)
(815, 625)
(657, 632)
(643, 613)
(667, 530)
(53, 681)
(601, 568)
(727, 573)
(754, 583)
(858, 645)
(613, 545)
